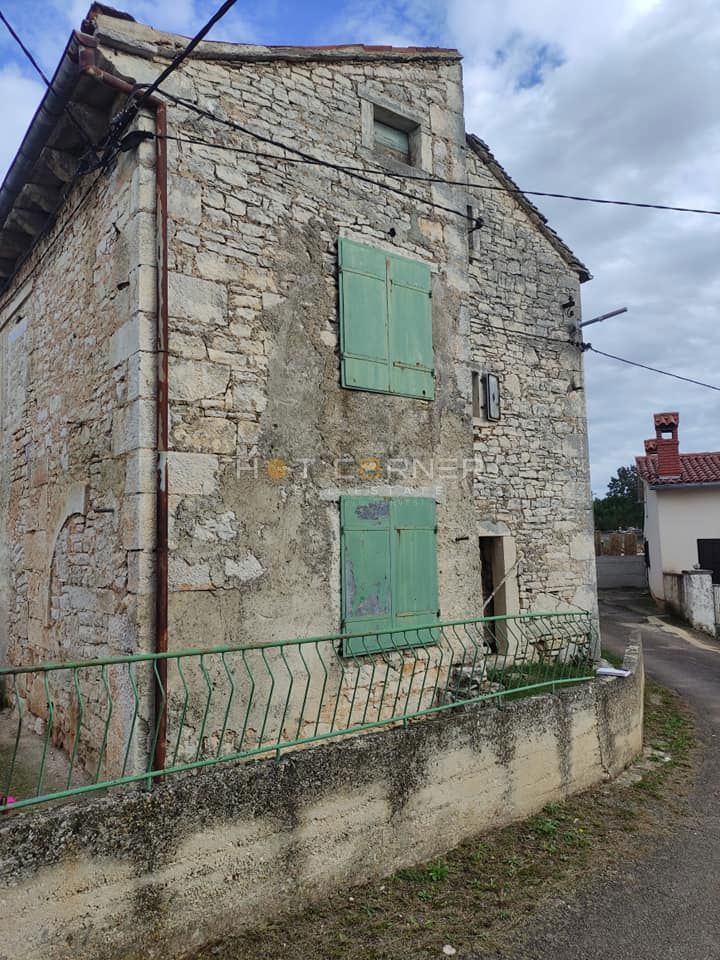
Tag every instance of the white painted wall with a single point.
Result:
(674, 521)
(652, 535)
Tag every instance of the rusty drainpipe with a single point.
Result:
(86, 60)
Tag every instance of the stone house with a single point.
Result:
(681, 495)
(294, 357)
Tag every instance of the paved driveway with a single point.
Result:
(668, 906)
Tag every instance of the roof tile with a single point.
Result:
(695, 468)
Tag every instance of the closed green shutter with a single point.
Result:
(385, 322)
(363, 317)
(366, 568)
(389, 571)
(410, 321)
(414, 562)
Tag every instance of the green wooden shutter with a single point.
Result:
(385, 322)
(389, 572)
(363, 317)
(410, 322)
(366, 568)
(414, 565)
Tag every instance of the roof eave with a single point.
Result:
(482, 150)
(695, 485)
(41, 127)
(50, 156)
(119, 31)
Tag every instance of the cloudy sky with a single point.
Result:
(606, 98)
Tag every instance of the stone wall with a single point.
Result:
(674, 592)
(533, 476)
(693, 596)
(264, 439)
(138, 874)
(254, 372)
(699, 600)
(78, 433)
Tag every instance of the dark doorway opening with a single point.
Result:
(709, 557)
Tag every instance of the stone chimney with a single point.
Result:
(668, 444)
(651, 446)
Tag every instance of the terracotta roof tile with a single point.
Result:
(695, 468)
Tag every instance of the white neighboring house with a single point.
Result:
(682, 521)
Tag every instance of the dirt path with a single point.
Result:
(522, 892)
(668, 905)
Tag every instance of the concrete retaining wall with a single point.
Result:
(693, 596)
(700, 600)
(149, 874)
(674, 592)
(621, 572)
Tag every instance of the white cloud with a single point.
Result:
(631, 113)
(21, 95)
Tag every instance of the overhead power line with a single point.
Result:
(185, 52)
(644, 366)
(41, 73)
(304, 157)
(357, 173)
(36, 66)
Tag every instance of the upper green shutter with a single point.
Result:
(363, 317)
(385, 322)
(389, 572)
(411, 348)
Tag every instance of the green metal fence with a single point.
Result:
(71, 728)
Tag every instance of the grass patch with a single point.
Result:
(479, 895)
(612, 658)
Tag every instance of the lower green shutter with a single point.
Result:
(414, 558)
(389, 572)
(366, 568)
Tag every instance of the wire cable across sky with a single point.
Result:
(645, 366)
(48, 83)
(300, 156)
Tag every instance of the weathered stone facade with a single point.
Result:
(263, 439)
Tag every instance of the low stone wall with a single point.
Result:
(614, 572)
(153, 874)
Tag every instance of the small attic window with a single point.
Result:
(394, 135)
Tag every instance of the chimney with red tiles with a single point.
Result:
(668, 444)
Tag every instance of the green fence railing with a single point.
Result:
(71, 728)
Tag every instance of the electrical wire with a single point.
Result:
(319, 161)
(38, 69)
(357, 173)
(644, 366)
(184, 53)
(483, 325)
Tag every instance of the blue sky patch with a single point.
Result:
(545, 57)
